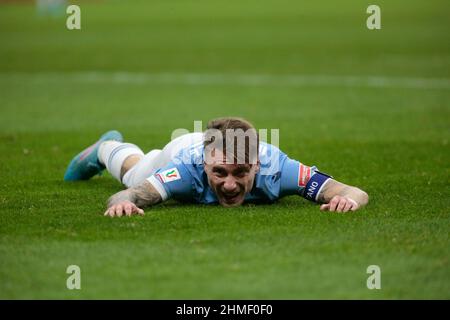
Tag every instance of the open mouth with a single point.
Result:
(230, 198)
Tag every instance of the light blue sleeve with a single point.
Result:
(173, 181)
(297, 178)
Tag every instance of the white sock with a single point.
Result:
(112, 154)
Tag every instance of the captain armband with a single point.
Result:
(315, 185)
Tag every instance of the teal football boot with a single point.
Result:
(86, 164)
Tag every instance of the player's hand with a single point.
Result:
(340, 204)
(124, 208)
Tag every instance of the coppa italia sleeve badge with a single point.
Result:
(304, 173)
(169, 175)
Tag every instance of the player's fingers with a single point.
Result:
(334, 203)
(355, 205)
(119, 210)
(325, 207)
(137, 210)
(128, 208)
(348, 206)
(341, 205)
(111, 212)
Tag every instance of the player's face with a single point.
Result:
(231, 182)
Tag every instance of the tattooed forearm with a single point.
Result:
(119, 197)
(143, 195)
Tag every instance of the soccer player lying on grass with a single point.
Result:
(207, 168)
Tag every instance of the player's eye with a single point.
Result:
(218, 172)
(240, 174)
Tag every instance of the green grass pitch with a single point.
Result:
(149, 67)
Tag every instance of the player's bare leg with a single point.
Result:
(129, 163)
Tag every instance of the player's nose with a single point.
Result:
(230, 184)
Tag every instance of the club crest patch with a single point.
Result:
(169, 175)
(304, 174)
